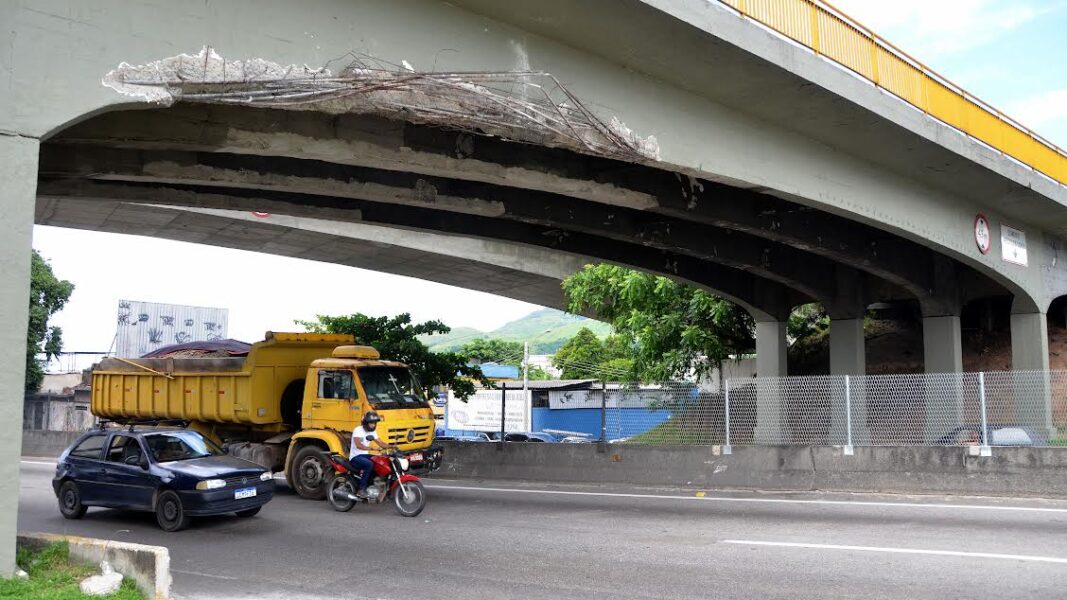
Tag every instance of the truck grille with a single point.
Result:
(420, 434)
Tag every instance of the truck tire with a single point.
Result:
(309, 473)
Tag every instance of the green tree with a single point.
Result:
(396, 339)
(48, 294)
(581, 356)
(493, 350)
(671, 329)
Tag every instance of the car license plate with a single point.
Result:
(244, 493)
(415, 457)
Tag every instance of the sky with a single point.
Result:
(1011, 54)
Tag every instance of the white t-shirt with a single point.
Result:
(364, 437)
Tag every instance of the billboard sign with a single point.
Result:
(481, 412)
(142, 327)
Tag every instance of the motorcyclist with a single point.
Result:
(364, 438)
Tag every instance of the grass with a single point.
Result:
(54, 577)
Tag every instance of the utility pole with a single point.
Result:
(525, 366)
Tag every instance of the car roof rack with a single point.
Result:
(131, 423)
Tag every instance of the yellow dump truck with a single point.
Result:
(295, 396)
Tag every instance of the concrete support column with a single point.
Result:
(848, 357)
(1029, 352)
(770, 364)
(18, 195)
(942, 354)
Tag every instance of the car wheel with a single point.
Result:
(70, 501)
(309, 473)
(170, 513)
(244, 514)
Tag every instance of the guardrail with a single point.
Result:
(832, 34)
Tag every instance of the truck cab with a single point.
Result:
(337, 392)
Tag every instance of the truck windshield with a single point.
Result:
(392, 387)
(180, 445)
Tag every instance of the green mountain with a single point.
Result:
(546, 330)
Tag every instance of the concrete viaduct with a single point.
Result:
(499, 146)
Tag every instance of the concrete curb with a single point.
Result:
(1034, 472)
(147, 566)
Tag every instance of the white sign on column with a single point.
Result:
(1013, 245)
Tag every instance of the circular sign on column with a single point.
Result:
(982, 235)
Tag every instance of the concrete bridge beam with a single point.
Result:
(18, 172)
(808, 273)
(762, 298)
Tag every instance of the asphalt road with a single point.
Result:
(487, 540)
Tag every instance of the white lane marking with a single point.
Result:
(1024, 557)
(199, 574)
(754, 500)
(34, 462)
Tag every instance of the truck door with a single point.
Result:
(335, 401)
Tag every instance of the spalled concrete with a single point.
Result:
(902, 470)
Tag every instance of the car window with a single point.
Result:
(336, 385)
(90, 447)
(180, 445)
(122, 448)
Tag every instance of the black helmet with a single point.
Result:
(370, 417)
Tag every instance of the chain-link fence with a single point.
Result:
(1013, 408)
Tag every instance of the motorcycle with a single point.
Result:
(391, 480)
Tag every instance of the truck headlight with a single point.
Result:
(210, 484)
(403, 464)
(267, 476)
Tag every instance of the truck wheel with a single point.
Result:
(70, 501)
(309, 473)
(170, 513)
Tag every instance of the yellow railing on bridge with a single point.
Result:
(832, 34)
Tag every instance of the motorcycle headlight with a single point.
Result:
(403, 463)
(267, 476)
(210, 484)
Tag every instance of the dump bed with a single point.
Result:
(245, 390)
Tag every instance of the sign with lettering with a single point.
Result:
(1013, 245)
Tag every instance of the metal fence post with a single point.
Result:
(985, 450)
(727, 448)
(503, 413)
(603, 445)
(849, 450)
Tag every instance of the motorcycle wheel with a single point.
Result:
(337, 491)
(409, 498)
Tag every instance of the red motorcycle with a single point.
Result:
(391, 480)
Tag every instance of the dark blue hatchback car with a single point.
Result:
(176, 473)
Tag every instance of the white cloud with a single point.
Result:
(926, 28)
(1045, 113)
(1040, 109)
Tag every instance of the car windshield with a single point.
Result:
(392, 387)
(180, 445)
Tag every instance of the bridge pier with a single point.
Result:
(942, 353)
(771, 362)
(18, 196)
(1032, 392)
(848, 356)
